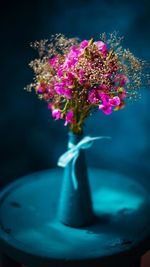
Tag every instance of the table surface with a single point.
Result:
(30, 228)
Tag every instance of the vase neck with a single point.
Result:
(74, 139)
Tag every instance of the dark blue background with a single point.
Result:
(29, 139)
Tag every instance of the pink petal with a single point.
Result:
(69, 117)
(84, 44)
(115, 101)
(102, 47)
(56, 114)
(107, 109)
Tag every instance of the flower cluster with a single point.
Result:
(76, 78)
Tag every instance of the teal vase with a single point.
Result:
(75, 206)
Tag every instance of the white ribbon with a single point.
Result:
(73, 153)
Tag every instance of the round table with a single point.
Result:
(30, 232)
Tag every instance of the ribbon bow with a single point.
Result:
(73, 153)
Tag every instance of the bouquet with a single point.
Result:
(76, 78)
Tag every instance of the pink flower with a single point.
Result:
(69, 117)
(69, 78)
(54, 61)
(56, 114)
(71, 58)
(84, 44)
(60, 72)
(69, 63)
(102, 47)
(61, 90)
(67, 93)
(115, 101)
(104, 97)
(108, 103)
(107, 109)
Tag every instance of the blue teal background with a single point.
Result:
(29, 139)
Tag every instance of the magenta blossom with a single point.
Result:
(115, 101)
(108, 103)
(71, 58)
(56, 113)
(102, 47)
(104, 97)
(67, 93)
(54, 62)
(60, 90)
(84, 44)
(69, 117)
(107, 109)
